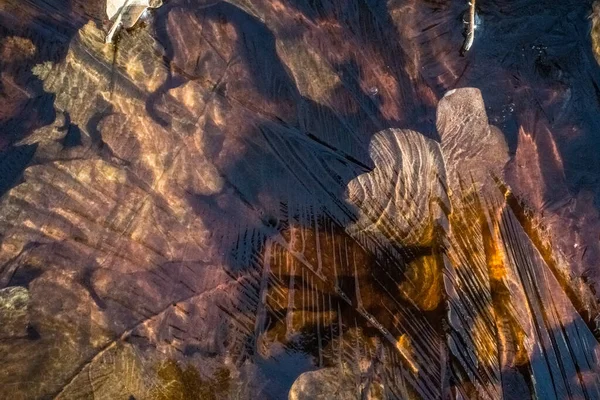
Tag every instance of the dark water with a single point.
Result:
(279, 199)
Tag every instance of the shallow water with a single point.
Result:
(294, 199)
